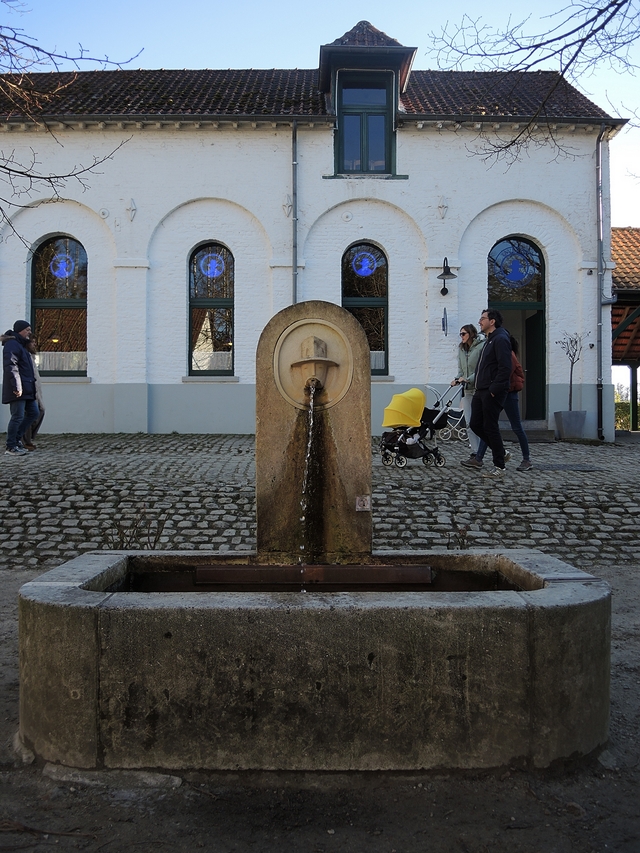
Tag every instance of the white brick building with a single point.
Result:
(148, 289)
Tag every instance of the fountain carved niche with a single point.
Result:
(313, 373)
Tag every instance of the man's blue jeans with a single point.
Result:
(23, 413)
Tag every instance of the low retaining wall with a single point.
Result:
(314, 681)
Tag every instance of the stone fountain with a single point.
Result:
(315, 653)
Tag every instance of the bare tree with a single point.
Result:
(20, 56)
(580, 38)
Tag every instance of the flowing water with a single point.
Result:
(304, 500)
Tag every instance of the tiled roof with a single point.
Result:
(187, 93)
(365, 34)
(625, 251)
(496, 94)
(282, 92)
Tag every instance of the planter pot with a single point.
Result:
(570, 424)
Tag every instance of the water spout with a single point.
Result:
(314, 364)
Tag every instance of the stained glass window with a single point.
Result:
(364, 294)
(516, 272)
(59, 306)
(211, 291)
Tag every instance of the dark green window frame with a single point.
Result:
(59, 322)
(365, 307)
(215, 310)
(365, 141)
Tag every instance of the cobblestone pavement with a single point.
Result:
(79, 493)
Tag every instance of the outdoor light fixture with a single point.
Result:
(55, 338)
(445, 276)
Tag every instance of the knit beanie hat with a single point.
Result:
(20, 326)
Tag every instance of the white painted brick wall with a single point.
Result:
(229, 185)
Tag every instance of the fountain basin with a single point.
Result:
(312, 680)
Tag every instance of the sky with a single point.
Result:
(288, 34)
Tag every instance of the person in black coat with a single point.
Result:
(493, 376)
(18, 385)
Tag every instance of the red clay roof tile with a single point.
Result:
(625, 251)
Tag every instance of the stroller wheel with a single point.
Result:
(387, 459)
(440, 461)
(401, 461)
(427, 459)
(445, 434)
(462, 434)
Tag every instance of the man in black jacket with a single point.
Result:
(493, 375)
(18, 385)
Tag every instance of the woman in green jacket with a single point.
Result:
(468, 356)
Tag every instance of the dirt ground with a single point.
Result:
(593, 805)
(590, 805)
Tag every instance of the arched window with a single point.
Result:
(516, 284)
(364, 294)
(516, 273)
(211, 274)
(59, 306)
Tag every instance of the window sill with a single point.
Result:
(362, 177)
(46, 380)
(379, 378)
(207, 378)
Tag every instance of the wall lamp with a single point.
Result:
(445, 276)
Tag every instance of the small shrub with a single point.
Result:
(623, 415)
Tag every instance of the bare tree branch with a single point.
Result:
(581, 37)
(19, 56)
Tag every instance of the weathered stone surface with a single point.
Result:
(328, 528)
(324, 680)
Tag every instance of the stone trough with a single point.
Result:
(517, 671)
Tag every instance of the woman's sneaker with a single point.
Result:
(496, 473)
(525, 465)
(15, 451)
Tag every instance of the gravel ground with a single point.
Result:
(79, 493)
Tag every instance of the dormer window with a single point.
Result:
(365, 123)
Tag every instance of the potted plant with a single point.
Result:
(570, 424)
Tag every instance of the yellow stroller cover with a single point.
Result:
(405, 409)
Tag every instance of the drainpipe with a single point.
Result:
(294, 210)
(602, 299)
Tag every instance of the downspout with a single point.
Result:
(602, 299)
(294, 211)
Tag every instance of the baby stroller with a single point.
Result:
(413, 431)
(453, 422)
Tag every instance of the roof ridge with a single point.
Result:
(365, 34)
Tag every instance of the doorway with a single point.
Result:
(516, 287)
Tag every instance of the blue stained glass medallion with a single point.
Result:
(513, 268)
(364, 264)
(212, 265)
(62, 265)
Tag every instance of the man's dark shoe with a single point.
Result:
(471, 462)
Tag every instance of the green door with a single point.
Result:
(535, 385)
